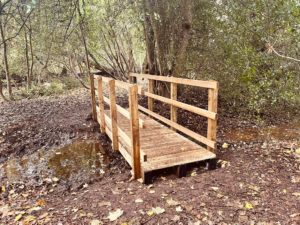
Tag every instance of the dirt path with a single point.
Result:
(257, 182)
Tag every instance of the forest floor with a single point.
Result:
(45, 179)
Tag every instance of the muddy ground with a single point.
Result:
(43, 182)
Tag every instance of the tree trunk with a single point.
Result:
(31, 53)
(27, 61)
(6, 66)
(151, 66)
(180, 56)
(1, 92)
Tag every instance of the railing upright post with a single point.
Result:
(135, 135)
(113, 114)
(101, 105)
(212, 124)
(93, 95)
(173, 108)
(150, 90)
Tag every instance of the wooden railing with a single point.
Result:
(210, 113)
(109, 124)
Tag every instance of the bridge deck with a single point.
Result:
(161, 147)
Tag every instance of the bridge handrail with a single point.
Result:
(210, 114)
(115, 131)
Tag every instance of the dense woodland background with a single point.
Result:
(250, 47)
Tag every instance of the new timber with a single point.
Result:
(147, 140)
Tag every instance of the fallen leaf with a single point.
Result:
(18, 217)
(104, 204)
(138, 200)
(193, 174)
(95, 222)
(225, 145)
(297, 194)
(248, 205)
(41, 202)
(152, 191)
(214, 188)
(29, 219)
(55, 179)
(150, 213)
(172, 202)
(115, 215)
(158, 210)
(179, 209)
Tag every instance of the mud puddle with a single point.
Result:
(290, 132)
(77, 163)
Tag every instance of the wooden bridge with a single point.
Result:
(149, 141)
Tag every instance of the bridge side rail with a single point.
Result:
(109, 124)
(210, 113)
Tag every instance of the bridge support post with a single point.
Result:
(113, 114)
(135, 134)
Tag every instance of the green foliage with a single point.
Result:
(55, 87)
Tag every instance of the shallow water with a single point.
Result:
(80, 161)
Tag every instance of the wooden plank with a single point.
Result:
(150, 90)
(184, 130)
(178, 159)
(126, 139)
(124, 111)
(121, 148)
(93, 97)
(197, 83)
(199, 111)
(113, 114)
(173, 108)
(135, 134)
(101, 105)
(212, 124)
(125, 154)
(169, 150)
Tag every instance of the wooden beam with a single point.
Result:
(150, 90)
(101, 105)
(199, 111)
(135, 135)
(113, 114)
(173, 108)
(93, 99)
(184, 130)
(212, 124)
(197, 83)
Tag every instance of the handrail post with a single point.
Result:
(135, 135)
(101, 105)
(212, 124)
(93, 95)
(113, 114)
(174, 108)
(150, 90)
